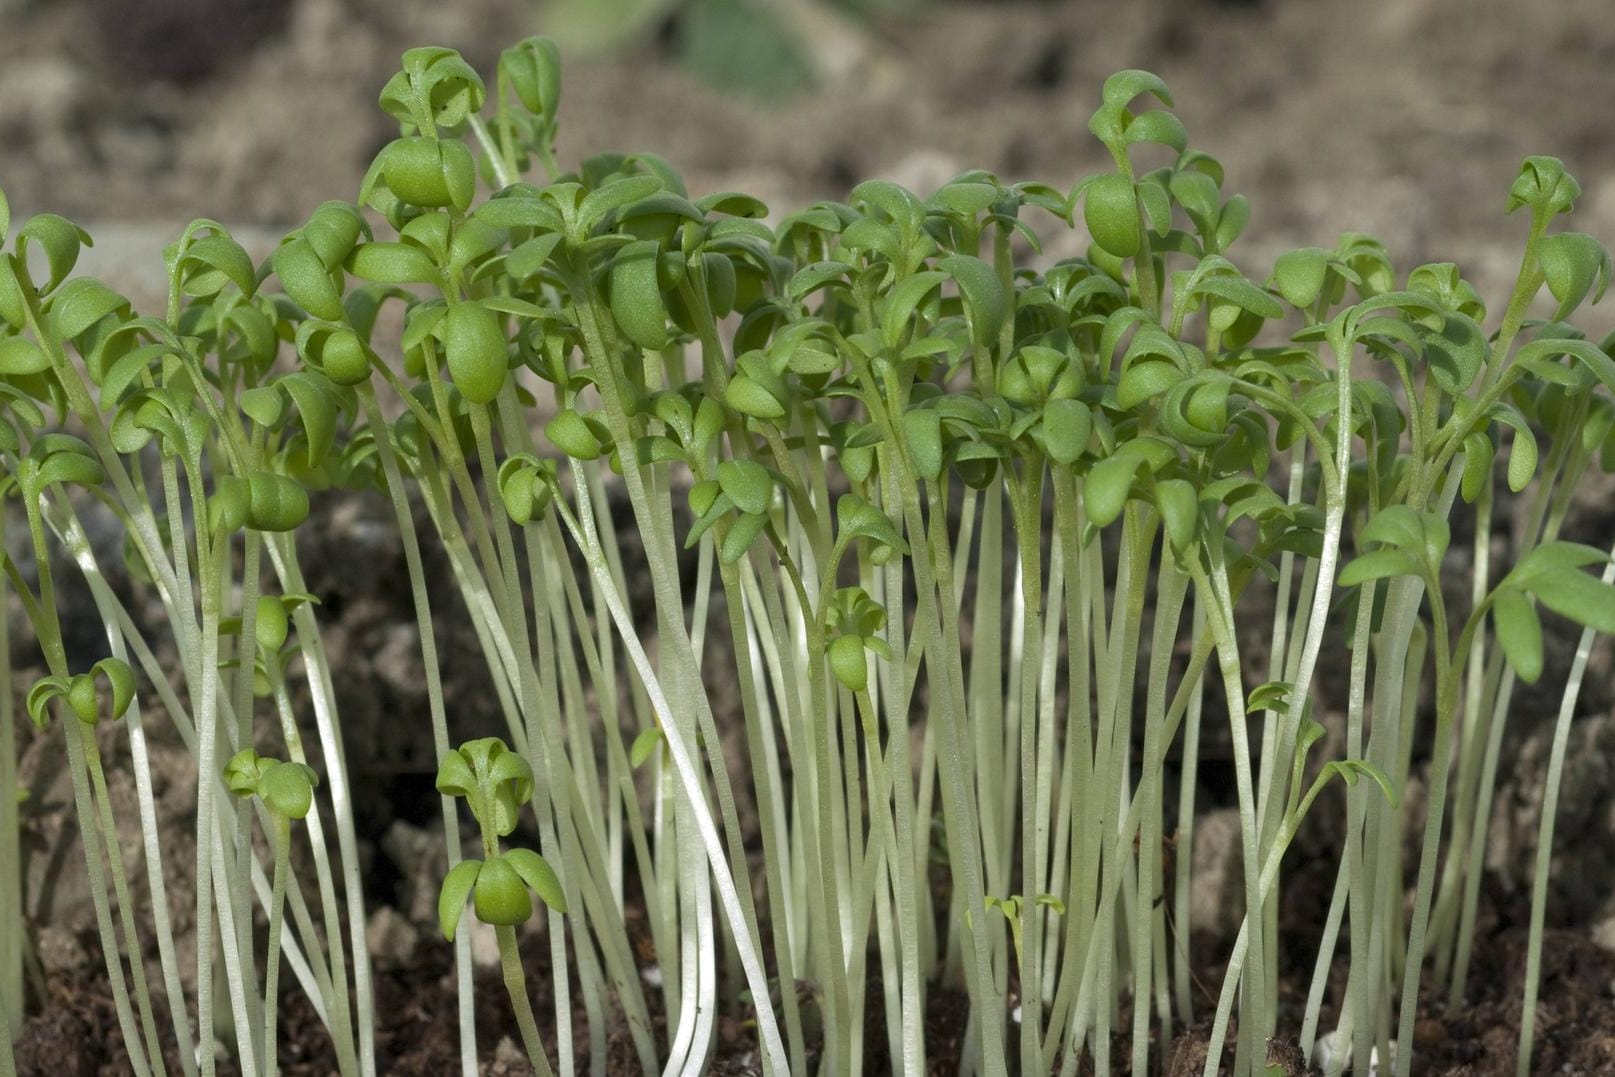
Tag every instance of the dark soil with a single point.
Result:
(76, 1033)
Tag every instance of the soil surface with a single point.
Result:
(76, 1034)
(1403, 118)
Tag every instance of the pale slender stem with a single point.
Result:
(510, 963)
(465, 1003)
(277, 905)
(684, 763)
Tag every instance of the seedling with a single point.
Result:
(495, 784)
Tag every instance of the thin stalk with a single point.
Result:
(382, 433)
(120, 887)
(1242, 945)
(1351, 862)
(774, 833)
(1183, 862)
(11, 797)
(587, 539)
(335, 981)
(242, 703)
(1171, 586)
(47, 629)
(675, 646)
(1214, 587)
(322, 693)
(282, 840)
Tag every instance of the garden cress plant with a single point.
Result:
(982, 536)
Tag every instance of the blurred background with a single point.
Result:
(1403, 118)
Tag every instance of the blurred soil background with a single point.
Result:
(1406, 119)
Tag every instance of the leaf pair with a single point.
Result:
(1410, 543)
(498, 890)
(1550, 574)
(83, 693)
(858, 618)
(287, 789)
(494, 781)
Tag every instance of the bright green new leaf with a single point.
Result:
(478, 354)
(1299, 275)
(965, 199)
(613, 196)
(748, 485)
(1423, 536)
(1350, 770)
(287, 789)
(534, 69)
(848, 663)
(1522, 450)
(270, 623)
(1179, 506)
(1554, 557)
(644, 746)
(275, 502)
(71, 468)
(1123, 86)
(430, 172)
(346, 359)
(82, 302)
(1587, 601)
(1479, 452)
(392, 263)
(742, 533)
(1271, 696)
(1573, 264)
(1519, 633)
(317, 407)
(19, 355)
(214, 260)
(333, 229)
(1240, 292)
(263, 404)
(1545, 186)
(536, 872)
(922, 431)
(570, 433)
(61, 240)
(451, 897)
(983, 292)
(1378, 565)
(636, 295)
(121, 679)
(1110, 210)
(1108, 485)
(1066, 427)
(243, 772)
(1455, 353)
(1157, 125)
(751, 399)
(1144, 380)
(1231, 222)
(307, 280)
(904, 300)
